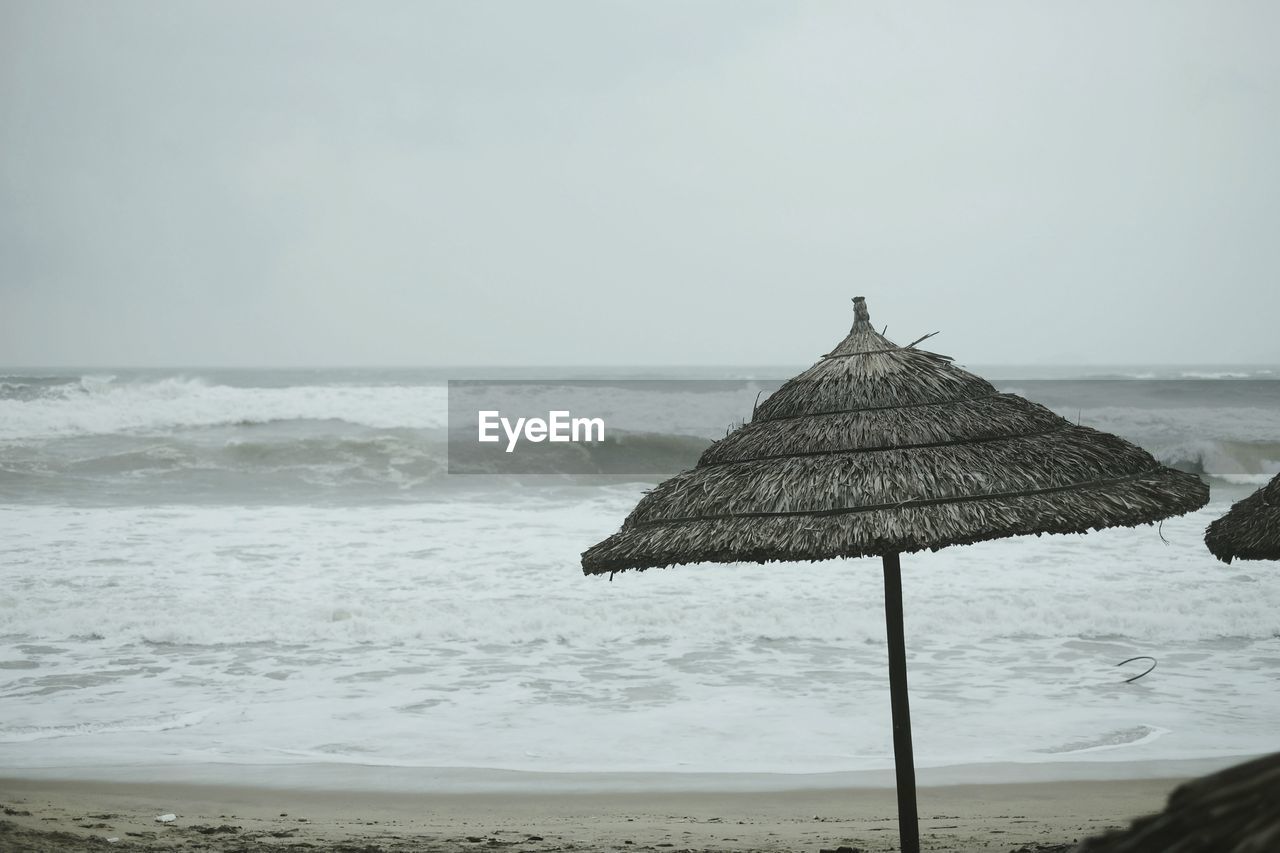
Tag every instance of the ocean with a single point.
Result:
(275, 567)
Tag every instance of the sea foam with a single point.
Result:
(413, 635)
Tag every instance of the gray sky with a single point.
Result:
(644, 182)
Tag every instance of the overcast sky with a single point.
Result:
(646, 182)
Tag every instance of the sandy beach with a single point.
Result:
(59, 815)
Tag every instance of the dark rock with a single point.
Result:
(216, 830)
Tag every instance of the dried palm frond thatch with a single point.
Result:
(881, 449)
(1250, 530)
(1234, 811)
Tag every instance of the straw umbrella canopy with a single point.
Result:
(879, 449)
(1250, 530)
(1236, 810)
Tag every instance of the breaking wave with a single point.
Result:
(106, 438)
(46, 406)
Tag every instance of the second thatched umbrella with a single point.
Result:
(879, 449)
(1236, 810)
(1250, 530)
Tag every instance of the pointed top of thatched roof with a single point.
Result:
(879, 449)
(1250, 530)
(863, 337)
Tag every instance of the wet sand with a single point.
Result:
(53, 815)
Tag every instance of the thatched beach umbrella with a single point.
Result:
(1236, 810)
(1250, 530)
(879, 449)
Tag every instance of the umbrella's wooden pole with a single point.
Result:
(904, 760)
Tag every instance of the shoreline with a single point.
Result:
(398, 779)
(70, 815)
